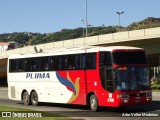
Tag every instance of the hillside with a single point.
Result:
(150, 22)
(28, 38)
(25, 38)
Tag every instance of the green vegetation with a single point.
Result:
(150, 22)
(156, 85)
(45, 115)
(28, 38)
(25, 38)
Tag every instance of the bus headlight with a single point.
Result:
(119, 96)
(123, 96)
(124, 100)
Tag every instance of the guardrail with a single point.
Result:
(93, 40)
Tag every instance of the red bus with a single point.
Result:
(113, 76)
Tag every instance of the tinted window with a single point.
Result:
(12, 66)
(54, 63)
(105, 59)
(91, 61)
(32, 64)
(83, 61)
(20, 65)
(129, 57)
(48, 63)
(70, 62)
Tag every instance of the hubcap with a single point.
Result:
(26, 98)
(93, 103)
(34, 99)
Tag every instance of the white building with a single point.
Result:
(7, 45)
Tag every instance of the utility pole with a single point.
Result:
(86, 13)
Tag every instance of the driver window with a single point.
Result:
(105, 59)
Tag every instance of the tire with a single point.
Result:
(93, 103)
(34, 98)
(26, 98)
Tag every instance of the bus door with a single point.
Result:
(106, 72)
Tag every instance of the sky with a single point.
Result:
(48, 16)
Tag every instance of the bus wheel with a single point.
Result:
(34, 98)
(26, 98)
(93, 103)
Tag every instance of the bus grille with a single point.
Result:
(13, 92)
(138, 95)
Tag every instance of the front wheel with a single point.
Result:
(34, 98)
(93, 103)
(26, 98)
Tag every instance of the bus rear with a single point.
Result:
(124, 75)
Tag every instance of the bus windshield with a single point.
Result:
(129, 57)
(132, 78)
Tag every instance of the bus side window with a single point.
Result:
(65, 62)
(12, 65)
(45, 63)
(77, 62)
(91, 61)
(71, 62)
(33, 64)
(27, 65)
(60, 63)
(54, 63)
(82, 61)
(40, 63)
(19, 65)
(105, 59)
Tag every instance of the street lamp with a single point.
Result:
(83, 26)
(119, 13)
(86, 11)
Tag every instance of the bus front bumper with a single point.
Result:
(135, 101)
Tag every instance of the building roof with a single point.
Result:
(4, 43)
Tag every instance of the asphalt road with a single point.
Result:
(83, 113)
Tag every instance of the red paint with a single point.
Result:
(90, 82)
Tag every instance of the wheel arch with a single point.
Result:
(33, 91)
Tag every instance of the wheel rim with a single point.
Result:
(34, 99)
(26, 98)
(93, 103)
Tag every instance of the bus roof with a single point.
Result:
(76, 50)
(111, 48)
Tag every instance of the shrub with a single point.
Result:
(157, 81)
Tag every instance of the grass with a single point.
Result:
(45, 115)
